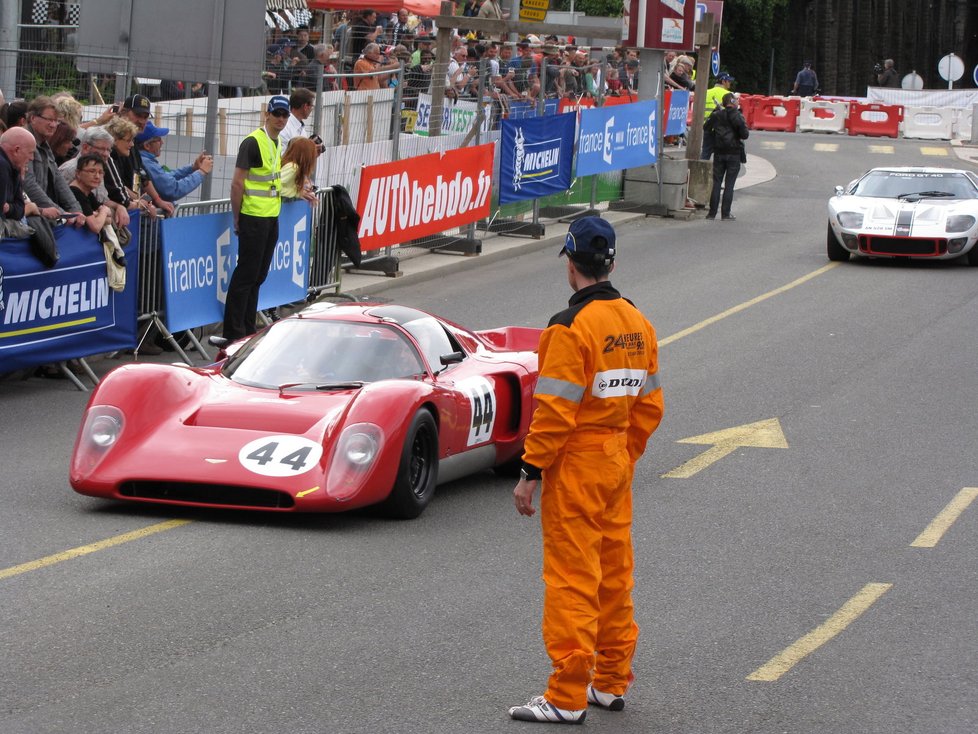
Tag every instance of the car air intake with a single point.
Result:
(208, 494)
(921, 246)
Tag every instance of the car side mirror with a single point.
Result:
(839, 191)
(452, 358)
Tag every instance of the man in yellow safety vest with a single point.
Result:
(255, 205)
(714, 100)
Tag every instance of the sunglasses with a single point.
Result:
(279, 113)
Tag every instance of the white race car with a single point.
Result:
(906, 212)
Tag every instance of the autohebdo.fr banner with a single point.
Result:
(425, 195)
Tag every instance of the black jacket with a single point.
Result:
(345, 224)
(729, 131)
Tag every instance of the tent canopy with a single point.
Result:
(418, 7)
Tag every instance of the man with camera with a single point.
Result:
(369, 68)
(886, 75)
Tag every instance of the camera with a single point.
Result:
(878, 69)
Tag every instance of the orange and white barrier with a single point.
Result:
(928, 123)
(822, 116)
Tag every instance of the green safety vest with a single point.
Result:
(714, 99)
(262, 185)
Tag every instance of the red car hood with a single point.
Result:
(267, 411)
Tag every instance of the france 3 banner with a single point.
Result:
(457, 117)
(404, 200)
(199, 254)
(68, 311)
(623, 136)
(535, 157)
(678, 102)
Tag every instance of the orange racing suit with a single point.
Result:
(598, 401)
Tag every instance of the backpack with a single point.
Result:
(724, 137)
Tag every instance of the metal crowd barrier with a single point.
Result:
(324, 269)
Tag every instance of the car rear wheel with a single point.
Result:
(835, 251)
(417, 473)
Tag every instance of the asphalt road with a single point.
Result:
(781, 589)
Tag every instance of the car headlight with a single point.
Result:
(100, 431)
(353, 457)
(959, 223)
(850, 220)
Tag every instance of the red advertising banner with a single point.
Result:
(667, 25)
(416, 197)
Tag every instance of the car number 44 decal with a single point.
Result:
(280, 456)
(482, 405)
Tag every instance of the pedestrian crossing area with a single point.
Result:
(876, 148)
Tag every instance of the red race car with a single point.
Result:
(336, 407)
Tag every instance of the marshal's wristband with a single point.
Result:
(530, 472)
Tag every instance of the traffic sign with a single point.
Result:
(951, 67)
(913, 80)
(715, 62)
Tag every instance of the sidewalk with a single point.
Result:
(418, 265)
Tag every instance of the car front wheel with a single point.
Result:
(973, 256)
(417, 473)
(835, 251)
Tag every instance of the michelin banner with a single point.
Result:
(623, 136)
(199, 254)
(535, 157)
(68, 311)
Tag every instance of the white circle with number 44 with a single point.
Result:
(280, 456)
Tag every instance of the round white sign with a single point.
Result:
(951, 67)
(912, 81)
(280, 456)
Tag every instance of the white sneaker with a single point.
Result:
(538, 709)
(605, 700)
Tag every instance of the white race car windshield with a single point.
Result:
(323, 354)
(898, 184)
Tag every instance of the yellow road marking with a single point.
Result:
(849, 613)
(773, 144)
(83, 550)
(945, 518)
(826, 147)
(745, 305)
(885, 149)
(766, 434)
(933, 151)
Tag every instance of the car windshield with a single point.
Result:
(901, 184)
(315, 353)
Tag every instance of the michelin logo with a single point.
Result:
(534, 162)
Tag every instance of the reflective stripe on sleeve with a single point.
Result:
(651, 384)
(559, 389)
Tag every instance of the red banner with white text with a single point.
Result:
(416, 197)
